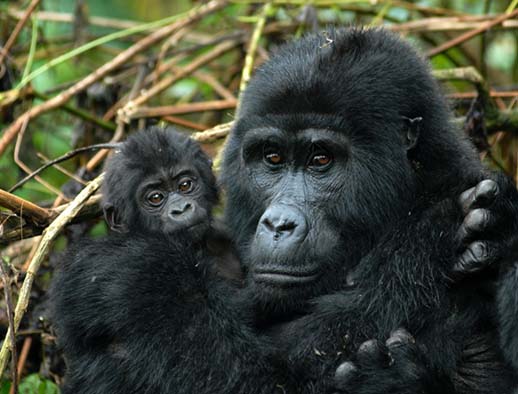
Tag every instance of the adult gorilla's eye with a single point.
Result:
(185, 186)
(320, 160)
(272, 156)
(155, 198)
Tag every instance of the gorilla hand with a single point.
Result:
(397, 366)
(490, 227)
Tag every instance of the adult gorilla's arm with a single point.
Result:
(404, 282)
(488, 236)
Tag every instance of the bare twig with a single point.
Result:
(49, 235)
(502, 121)
(492, 93)
(62, 169)
(10, 316)
(119, 132)
(23, 357)
(216, 105)
(24, 208)
(448, 24)
(126, 113)
(466, 36)
(17, 29)
(215, 84)
(185, 123)
(464, 73)
(91, 209)
(69, 18)
(216, 133)
(252, 47)
(62, 158)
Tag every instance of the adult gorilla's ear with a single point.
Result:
(113, 220)
(411, 130)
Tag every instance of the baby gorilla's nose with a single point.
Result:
(180, 209)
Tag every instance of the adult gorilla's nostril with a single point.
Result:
(281, 222)
(268, 224)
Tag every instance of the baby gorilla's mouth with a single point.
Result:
(278, 277)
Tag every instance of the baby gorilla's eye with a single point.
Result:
(320, 160)
(155, 198)
(185, 186)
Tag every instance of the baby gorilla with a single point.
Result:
(152, 289)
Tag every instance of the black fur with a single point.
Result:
(508, 314)
(380, 222)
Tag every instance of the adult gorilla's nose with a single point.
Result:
(282, 224)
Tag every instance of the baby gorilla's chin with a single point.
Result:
(194, 232)
(198, 231)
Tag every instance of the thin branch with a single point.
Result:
(216, 133)
(151, 112)
(23, 357)
(464, 73)
(90, 210)
(62, 158)
(215, 85)
(63, 17)
(10, 316)
(502, 121)
(119, 131)
(252, 47)
(78, 112)
(17, 30)
(448, 24)
(49, 235)
(126, 113)
(492, 93)
(466, 36)
(184, 123)
(62, 169)
(24, 208)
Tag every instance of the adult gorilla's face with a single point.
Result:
(325, 156)
(305, 202)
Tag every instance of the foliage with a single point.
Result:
(32, 384)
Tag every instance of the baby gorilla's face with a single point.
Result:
(174, 200)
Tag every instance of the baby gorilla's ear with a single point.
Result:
(113, 220)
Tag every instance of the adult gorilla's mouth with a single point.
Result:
(277, 277)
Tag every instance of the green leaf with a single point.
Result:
(34, 384)
(5, 387)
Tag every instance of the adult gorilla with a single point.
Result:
(342, 176)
